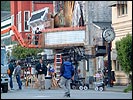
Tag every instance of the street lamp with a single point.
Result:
(109, 35)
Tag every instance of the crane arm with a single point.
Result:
(16, 33)
(6, 30)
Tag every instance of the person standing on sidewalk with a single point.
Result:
(11, 68)
(42, 72)
(67, 73)
(17, 74)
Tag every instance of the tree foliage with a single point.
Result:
(19, 52)
(5, 5)
(124, 53)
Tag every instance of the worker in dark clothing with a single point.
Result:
(37, 33)
(42, 72)
(11, 68)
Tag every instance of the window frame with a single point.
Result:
(26, 30)
(19, 22)
(117, 66)
(12, 19)
(122, 9)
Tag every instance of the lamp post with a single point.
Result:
(109, 64)
(109, 35)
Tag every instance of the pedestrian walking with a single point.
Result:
(67, 73)
(17, 73)
(11, 68)
(42, 72)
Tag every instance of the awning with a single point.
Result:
(112, 3)
(103, 25)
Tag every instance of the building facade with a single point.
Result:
(21, 12)
(96, 22)
(6, 39)
(122, 24)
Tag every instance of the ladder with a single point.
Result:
(57, 63)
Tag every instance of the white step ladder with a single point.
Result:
(57, 64)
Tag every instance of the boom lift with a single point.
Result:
(24, 42)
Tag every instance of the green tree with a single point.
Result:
(124, 53)
(5, 5)
(19, 52)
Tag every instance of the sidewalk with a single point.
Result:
(116, 88)
(108, 89)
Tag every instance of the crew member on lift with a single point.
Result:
(37, 32)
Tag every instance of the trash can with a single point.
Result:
(48, 82)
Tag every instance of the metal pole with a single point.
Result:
(109, 64)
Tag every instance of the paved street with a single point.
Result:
(58, 94)
(29, 93)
